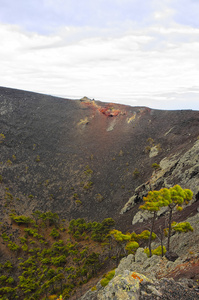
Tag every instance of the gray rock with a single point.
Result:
(125, 264)
(154, 260)
(140, 256)
(153, 152)
(128, 205)
(125, 287)
(172, 256)
(92, 295)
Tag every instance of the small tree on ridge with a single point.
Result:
(172, 198)
(153, 202)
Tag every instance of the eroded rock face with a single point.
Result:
(136, 286)
(178, 169)
(184, 169)
(184, 243)
(139, 263)
(128, 283)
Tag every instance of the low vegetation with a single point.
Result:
(107, 278)
(50, 258)
(47, 258)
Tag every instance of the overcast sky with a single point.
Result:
(135, 52)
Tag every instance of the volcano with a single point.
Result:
(86, 158)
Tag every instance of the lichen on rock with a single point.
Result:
(125, 287)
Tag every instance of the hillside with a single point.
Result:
(85, 158)
(63, 159)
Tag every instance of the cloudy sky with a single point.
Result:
(136, 52)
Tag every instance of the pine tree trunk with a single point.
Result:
(169, 232)
(150, 237)
(161, 240)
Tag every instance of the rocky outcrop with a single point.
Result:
(184, 169)
(140, 277)
(184, 243)
(135, 286)
(126, 286)
(177, 169)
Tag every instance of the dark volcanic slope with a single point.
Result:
(78, 157)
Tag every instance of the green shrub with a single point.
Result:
(21, 219)
(75, 196)
(57, 261)
(150, 141)
(54, 233)
(31, 231)
(145, 235)
(23, 240)
(3, 278)
(9, 162)
(107, 223)
(107, 278)
(77, 235)
(5, 237)
(182, 227)
(88, 185)
(78, 202)
(147, 149)
(131, 247)
(8, 265)
(2, 137)
(9, 196)
(99, 197)
(24, 247)
(49, 218)
(88, 170)
(13, 246)
(136, 173)
(155, 166)
(10, 280)
(37, 158)
(157, 251)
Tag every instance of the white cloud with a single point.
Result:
(145, 66)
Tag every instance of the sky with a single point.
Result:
(134, 52)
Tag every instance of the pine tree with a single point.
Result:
(173, 198)
(176, 196)
(153, 202)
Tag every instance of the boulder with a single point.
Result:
(123, 287)
(172, 256)
(125, 264)
(140, 256)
